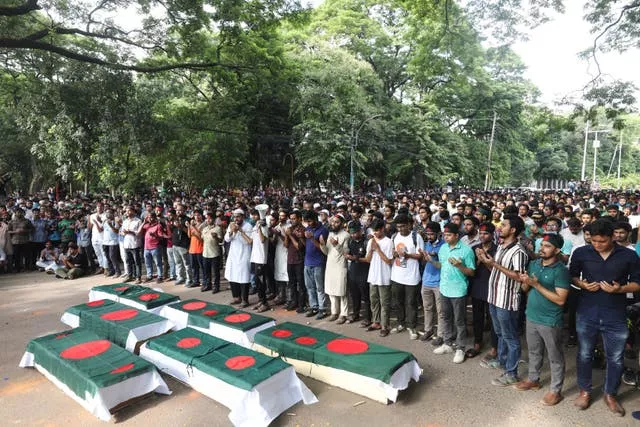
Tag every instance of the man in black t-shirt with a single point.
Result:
(357, 274)
(75, 263)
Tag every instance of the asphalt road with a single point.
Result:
(448, 395)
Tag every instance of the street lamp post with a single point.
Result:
(596, 144)
(355, 145)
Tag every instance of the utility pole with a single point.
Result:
(493, 132)
(620, 156)
(584, 154)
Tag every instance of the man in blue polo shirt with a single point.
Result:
(315, 262)
(605, 272)
(456, 263)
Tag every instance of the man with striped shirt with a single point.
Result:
(504, 297)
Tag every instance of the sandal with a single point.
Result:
(471, 353)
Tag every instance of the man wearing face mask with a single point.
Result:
(335, 248)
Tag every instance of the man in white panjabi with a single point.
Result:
(335, 279)
(280, 274)
(238, 268)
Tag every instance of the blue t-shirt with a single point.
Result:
(431, 274)
(313, 257)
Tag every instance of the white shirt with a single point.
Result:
(259, 248)
(380, 271)
(238, 265)
(130, 224)
(575, 239)
(96, 234)
(405, 270)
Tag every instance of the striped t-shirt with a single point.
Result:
(504, 292)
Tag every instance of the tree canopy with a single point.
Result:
(118, 95)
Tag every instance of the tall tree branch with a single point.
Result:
(48, 47)
(606, 29)
(23, 9)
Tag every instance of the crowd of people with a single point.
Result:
(525, 261)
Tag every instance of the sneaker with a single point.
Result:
(437, 342)
(321, 315)
(396, 329)
(311, 313)
(425, 336)
(443, 349)
(180, 282)
(413, 335)
(629, 377)
(504, 380)
(490, 363)
(459, 356)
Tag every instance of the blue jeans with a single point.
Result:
(614, 335)
(314, 281)
(151, 255)
(505, 323)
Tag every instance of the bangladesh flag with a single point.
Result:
(119, 323)
(139, 297)
(94, 371)
(388, 368)
(222, 321)
(231, 363)
(257, 388)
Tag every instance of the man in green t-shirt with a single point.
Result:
(66, 227)
(547, 283)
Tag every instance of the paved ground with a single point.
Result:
(449, 395)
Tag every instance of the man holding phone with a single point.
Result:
(605, 272)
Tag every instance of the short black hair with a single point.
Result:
(473, 219)
(377, 224)
(515, 222)
(602, 227)
(574, 222)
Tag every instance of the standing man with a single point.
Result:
(405, 274)
(238, 267)
(456, 264)
(480, 294)
(357, 274)
(280, 274)
(95, 225)
(259, 256)
(20, 232)
(130, 229)
(431, 285)
(335, 280)
(180, 246)
(380, 258)
(212, 254)
(314, 265)
(294, 242)
(605, 272)
(504, 297)
(547, 283)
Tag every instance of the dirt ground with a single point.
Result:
(448, 395)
